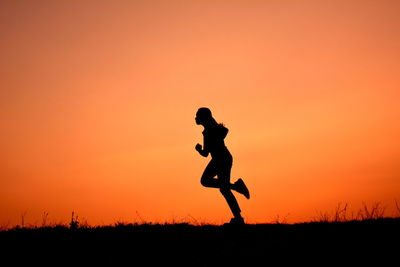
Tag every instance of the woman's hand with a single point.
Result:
(199, 147)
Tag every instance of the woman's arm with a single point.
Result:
(201, 151)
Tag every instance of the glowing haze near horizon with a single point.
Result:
(98, 99)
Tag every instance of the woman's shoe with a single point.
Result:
(241, 188)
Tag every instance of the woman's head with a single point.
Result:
(203, 116)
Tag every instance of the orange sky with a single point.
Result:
(97, 106)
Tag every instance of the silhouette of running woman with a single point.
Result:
(220, 164)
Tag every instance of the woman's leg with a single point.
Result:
(231, 200)
(224, 176)
(223, 170)
(207, 179)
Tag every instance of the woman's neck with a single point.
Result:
(209, 124)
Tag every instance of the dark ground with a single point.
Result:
(322, 244)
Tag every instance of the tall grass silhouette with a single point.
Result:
(341, 236)
(340, 214)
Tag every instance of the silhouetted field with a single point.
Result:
(320, 244)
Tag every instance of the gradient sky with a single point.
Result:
(98, 99)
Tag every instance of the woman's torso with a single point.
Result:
(214, 141)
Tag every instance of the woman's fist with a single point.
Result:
(198, 147)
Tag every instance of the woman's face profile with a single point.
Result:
(198, 119)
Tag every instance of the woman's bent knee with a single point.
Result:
(209, 181)
(205, 181)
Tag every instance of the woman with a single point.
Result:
(220, 164)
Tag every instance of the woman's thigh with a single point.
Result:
(224, 168)
(209, 173)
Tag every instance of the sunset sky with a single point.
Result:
(98, 99)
